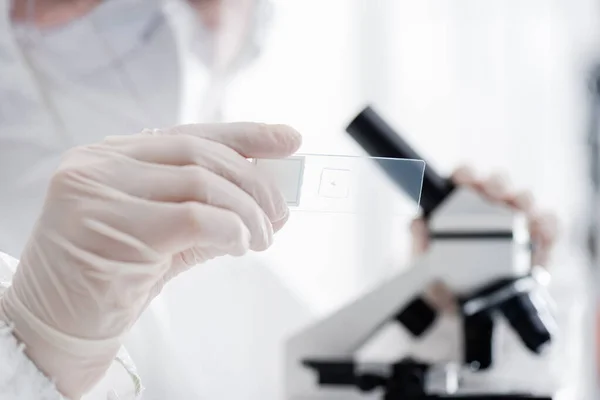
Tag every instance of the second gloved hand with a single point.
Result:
(543, 226)
(124, 216)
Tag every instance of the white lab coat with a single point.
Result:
(46, 110)
(31, 144)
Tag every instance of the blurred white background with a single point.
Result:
(498, 84)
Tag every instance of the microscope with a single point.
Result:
(480, 251)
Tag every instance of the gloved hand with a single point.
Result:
(542, 225)
(124, 216)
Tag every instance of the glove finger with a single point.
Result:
(187, 184)
(206, 226)
(420, 236)
(464, 175)
(522, 201)
(441, 297)
(177, 227)
(189, 150)
(251, 140)
(496, 188)
(543, 228)
(139, 227)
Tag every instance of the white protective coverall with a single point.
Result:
(21, 379)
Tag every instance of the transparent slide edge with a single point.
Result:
(347, 184)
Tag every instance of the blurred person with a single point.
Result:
(82, 70)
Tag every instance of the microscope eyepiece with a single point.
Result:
(379, 139)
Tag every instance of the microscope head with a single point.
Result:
(480, 251)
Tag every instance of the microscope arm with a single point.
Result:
(342, 333)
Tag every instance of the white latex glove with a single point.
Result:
(543, 226)
(124, 216)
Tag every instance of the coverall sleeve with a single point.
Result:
(20, 378)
